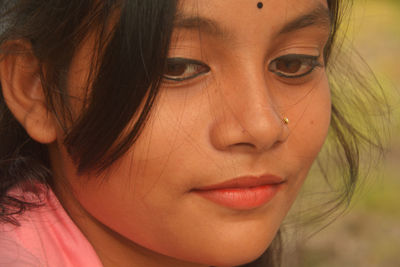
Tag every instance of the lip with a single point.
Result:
(242, 193)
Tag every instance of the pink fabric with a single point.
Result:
(47, 237)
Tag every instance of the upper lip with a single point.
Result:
(245, 182)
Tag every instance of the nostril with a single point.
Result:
(245, 144)
(243, 147)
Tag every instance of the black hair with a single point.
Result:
(132, 53)
(127, 69)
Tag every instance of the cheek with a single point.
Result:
(121, 199)
(314, 122)
(309, 128)
(148, 184)
(309, 124)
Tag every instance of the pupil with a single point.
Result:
(291, 66)
(175, 69)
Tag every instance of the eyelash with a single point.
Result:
(301, 61)
(185, 65)
(186, 69)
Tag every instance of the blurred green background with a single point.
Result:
(368, 235)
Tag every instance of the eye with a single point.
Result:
(294, 66)
(181, 69)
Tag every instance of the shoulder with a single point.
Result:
(12, 253)
(46, 236)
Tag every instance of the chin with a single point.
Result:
(235, 255)
(236, 260)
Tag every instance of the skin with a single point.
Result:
(214, 127)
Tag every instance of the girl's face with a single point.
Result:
(235, 72)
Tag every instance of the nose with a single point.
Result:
(247, 118)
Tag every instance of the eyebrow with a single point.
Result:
(319, 16)
(200, 23)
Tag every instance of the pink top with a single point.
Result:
(47, 237)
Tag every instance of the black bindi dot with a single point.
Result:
(260, 5)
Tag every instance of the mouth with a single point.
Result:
(242, 193)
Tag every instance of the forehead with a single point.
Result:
(248, 7)
(228, 16)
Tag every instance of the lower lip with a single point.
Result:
(241, 198)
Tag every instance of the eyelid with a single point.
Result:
(185, 60)
(297, 56)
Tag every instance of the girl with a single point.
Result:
(160, 133)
